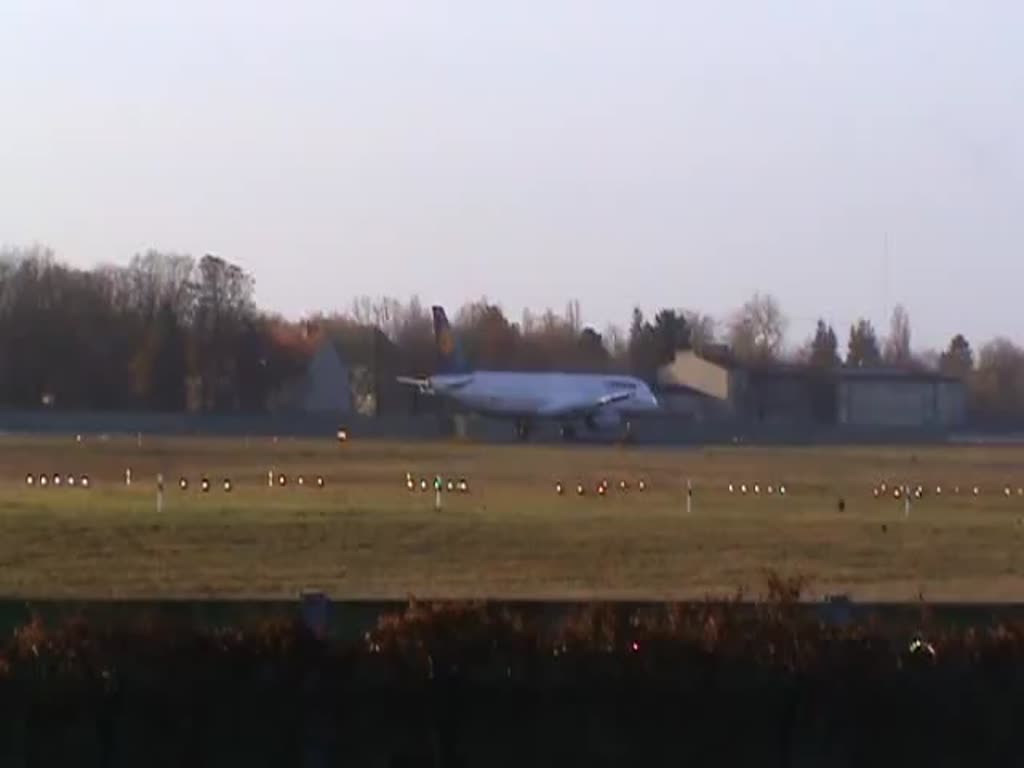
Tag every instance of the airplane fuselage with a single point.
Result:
(519, 395)
(599, 400)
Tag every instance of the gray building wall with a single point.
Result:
(901, 401)
(784, 396)
(328, 387)
(952, 402)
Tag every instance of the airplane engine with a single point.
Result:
(603, 420)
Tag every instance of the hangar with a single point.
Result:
(715, 387)
(885, 397)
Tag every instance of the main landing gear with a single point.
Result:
(568, 432)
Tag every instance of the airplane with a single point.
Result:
(600, 401)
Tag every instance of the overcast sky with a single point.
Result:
(654, 153)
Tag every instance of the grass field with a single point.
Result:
(365, 535)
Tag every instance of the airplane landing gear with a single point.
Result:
(568, 432)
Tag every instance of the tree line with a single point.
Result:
(169, 332)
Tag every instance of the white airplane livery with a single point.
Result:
(598, 401)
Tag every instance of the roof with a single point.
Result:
(723, 357)
(899, 374)
(718, 354)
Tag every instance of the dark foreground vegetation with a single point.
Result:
(468, 685)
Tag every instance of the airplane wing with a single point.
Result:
(423, 385)
(577, 407)
(448, 384)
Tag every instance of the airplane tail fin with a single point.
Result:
(449, 352)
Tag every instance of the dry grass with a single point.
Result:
(365, 535)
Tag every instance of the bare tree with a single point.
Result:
(572, 317)
(223, 306)
(998, 383)
(897, 345)
(414, 337)
(758, 330)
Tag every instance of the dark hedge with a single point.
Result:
(477, 684)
